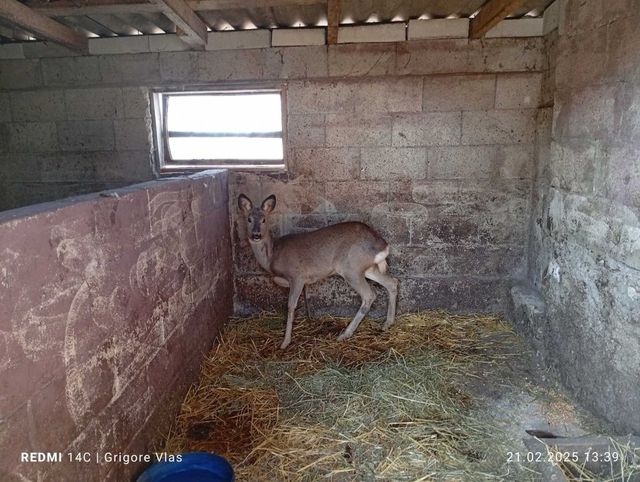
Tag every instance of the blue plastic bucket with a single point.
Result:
(193, 467)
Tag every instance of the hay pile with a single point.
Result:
(381, 406)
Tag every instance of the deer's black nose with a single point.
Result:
(256, 237)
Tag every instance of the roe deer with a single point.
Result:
(352, 250)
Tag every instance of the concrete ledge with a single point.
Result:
(245, 39)
(11, 51)
(287, 37)
(551, 18)
(522, 27)
(166, 43)
(389, 32)
(119, 45)
(438, 28)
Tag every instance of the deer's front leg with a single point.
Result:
(294, 294)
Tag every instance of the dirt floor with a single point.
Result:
(437, 397)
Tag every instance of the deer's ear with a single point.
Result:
(269, 204)
(245, 203)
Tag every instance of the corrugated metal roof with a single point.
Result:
(139, 18)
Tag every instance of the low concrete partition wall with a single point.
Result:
(107, 303)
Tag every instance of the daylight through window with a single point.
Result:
(214, 129)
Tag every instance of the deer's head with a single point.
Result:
(257, 225)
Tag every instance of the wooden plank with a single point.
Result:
(333, 21)
(190, 28)
(491, 13)
(63, 8)
(41, 26)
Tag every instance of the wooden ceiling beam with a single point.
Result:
(333, 21)
(490, 14)
(190, 28)
(41, 26)
(63, 8)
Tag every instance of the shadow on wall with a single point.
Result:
(450, 247)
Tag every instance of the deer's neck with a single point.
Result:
(263, 251)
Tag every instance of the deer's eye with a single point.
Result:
(250, 220)
(263, 220)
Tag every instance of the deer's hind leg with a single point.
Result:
(391, 285)
(359, 283)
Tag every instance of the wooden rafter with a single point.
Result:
(63, 8)
(492, 13)
(42, 26)
(333, 21)
(191, 29)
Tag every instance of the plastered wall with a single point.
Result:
(107, 305)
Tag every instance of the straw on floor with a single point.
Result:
(381, 406)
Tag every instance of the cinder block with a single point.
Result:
(427, 129)
(36, 50)
(402, 94)
(229, 65)
(345, 130)
(515, 91)
(521, 27)
(551, 17)
(176, 66)
(119, 45)
(38, 105)
(5, 107)
(389, 32)
(87, 135)
(362, 60)
(438, 56)
(136, 102)
(133, 134)
(284, 37)
(393, 163)
(438, 28)
(498, 127)
(295, 62)
(356, 196)
(242, 39)
(32, 137)
(458, 92)
(12, 51)
(314, 97)
(481, 162)
(20, 74)
(336, 164)
(305, 130)
(71, 71)
(130, 68)
(166, 43)
(94, 104)
(507, 55)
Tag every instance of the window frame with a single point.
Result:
(167, 166)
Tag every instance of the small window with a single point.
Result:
(231, 128)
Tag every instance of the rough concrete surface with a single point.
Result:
(106, 306)
(581, 305)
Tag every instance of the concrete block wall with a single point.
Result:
(427, 143)
(106, 307)
(57, 141)
(582, 303)
(431, 141)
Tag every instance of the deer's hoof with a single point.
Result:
(284, 345)
(344, 336)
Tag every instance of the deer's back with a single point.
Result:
(326, 251)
